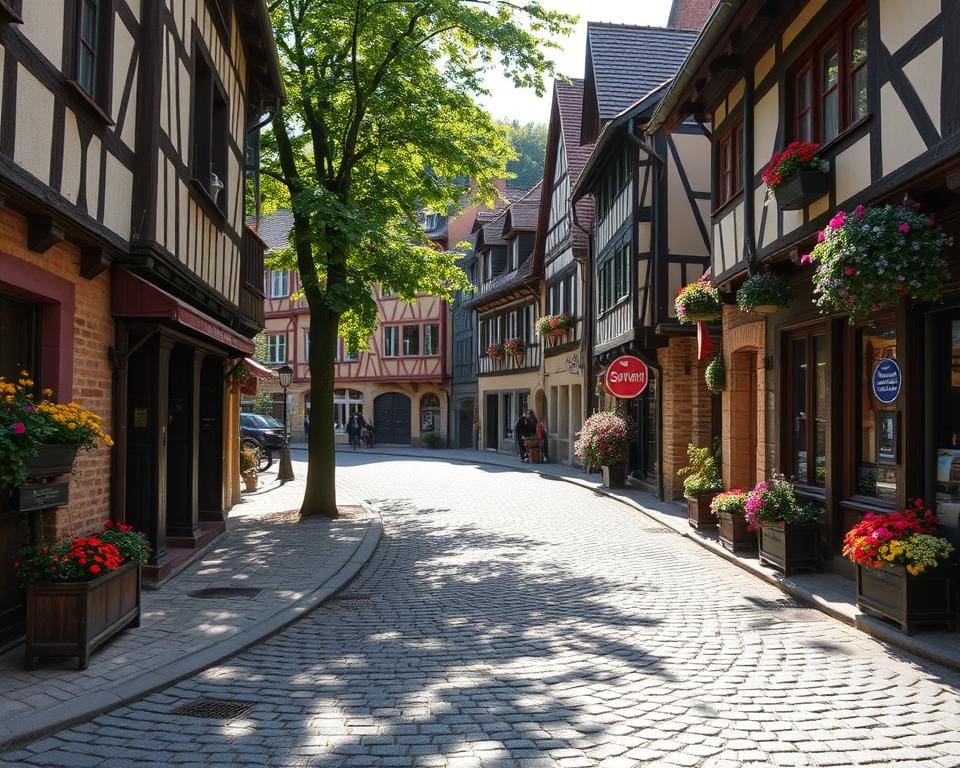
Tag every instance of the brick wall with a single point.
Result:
(93, 333)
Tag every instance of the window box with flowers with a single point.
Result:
(81, 591)
(698, 302)
(603, 443)
(904, 571)
(495, 351)
(514, 347)
(555, 326)
(789, 531)
(702, 481)
(40, 438)
(764, 293)
(796, 176)
(736, 533)
(872, 257)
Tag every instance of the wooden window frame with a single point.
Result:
(403, 350)
(729, 144)
(435, 337)
(396, 348)
(209, 132)
(806, 335)
(99, 102)
(840, 37)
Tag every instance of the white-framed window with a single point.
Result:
(347, 354)
(306, 346)
(277, 348)
(431, 339)
(346, 402)
(279, 283)
(411, 340)
(391, 340)
(514, 254)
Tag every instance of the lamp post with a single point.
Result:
(285, 472)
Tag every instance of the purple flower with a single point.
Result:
(904, 227)
(18, 428)
(806, 258)
(859, 211)
(837, 221)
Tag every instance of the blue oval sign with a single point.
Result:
(886, 380)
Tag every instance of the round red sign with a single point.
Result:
(626, 377)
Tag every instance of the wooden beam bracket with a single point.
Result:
(93, 261)
(43, 233)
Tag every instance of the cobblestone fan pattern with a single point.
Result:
(514, 620)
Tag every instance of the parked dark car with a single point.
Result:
(266, 431)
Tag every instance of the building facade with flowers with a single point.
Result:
(125, 265)
(836, 264)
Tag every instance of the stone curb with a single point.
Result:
(96, 703)
(867, 624)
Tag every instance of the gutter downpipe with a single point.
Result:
(588, 317)
(658, 261)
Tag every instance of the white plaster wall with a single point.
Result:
(34, 126)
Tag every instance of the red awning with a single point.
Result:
(135, 297)
(260, 370)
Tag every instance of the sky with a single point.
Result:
(509, 103)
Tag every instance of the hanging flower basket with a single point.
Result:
(495, 351)
(698, 302)
(797, 176)
(555, 325)
(514, 347)
(871, 258)
(764, 293)
(716, 375)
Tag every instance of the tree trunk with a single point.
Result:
(320, 497)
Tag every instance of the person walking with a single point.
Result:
(519, 432)
(306, 426)
(354, 430)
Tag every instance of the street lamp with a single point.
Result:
(285, 472)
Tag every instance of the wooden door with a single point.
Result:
(391, 418)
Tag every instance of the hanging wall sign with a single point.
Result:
(626, 377)
(886, 380)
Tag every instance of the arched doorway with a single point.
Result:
(391, 418)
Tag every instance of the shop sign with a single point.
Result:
(886, 380)
(626, 377)
(46, 496)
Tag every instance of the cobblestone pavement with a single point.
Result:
(508, 619)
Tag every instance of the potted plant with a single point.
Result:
(736, 533)
(904, 571)
(81, 591)
(874, 256)
(789, 531)
(248, 468)
(796, 176)
(38, 437)
(603, 443)
(495, 351)
(431, 439)
(764, 293)
(715, 375)
(698, 302)
(514, 347)
(701, 482)
(555, 326)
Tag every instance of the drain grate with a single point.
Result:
(212, 593)
(349, 602)
(215, 709)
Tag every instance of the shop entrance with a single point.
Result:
(391, 418)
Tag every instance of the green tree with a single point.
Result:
(380, 122)
(530, 145)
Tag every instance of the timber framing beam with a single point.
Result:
(43, 233)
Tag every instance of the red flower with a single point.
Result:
(94, 569)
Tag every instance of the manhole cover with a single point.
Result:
(349, 602)
(218, 592)
(215, 709)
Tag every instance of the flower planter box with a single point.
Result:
(926, 599)
(791, 547)
(802, 190)
(735, 533)
(698, 511)
(703, 317)
(766, 309)
(615, 476)
(51, 460)
(67, 619)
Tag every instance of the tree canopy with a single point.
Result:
(529, 142)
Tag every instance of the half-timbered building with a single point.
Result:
(127, 277)
(650, 237)
(562, 250)
(873, 83)
(507, 305)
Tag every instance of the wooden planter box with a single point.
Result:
(66, 619)
(802, 190)
(791, 547)
(615, 476)
(735, 533)
(911, 601)
(51, 460)
(698, 511)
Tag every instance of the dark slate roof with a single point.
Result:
(521, 215)
(274, 229)
(629, 61)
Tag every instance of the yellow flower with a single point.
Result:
(48, 392)
(24, 373)
(71, 425)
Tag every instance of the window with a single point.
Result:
(209, 164)
(411, 339)
(618, 175)
(346, 402)
(729, 164)
(391, 341)
(277, 348)
(93, 45)
(431, 339)
(514, 254)
(613, 280)
(876, 471)
(347, 354)
(305, 356)
(279, 283)
(830, 82)
(506, 407)
(805, 401)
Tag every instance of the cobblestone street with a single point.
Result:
(509, 619)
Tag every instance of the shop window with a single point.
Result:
(942, 415)
(805, 402)
(876, 417)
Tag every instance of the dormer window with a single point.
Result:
(514, 254)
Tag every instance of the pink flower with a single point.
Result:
(929, 221)
(859, 211)
(849, 271)
(805, 259)
(904, 227)
(837, 221)
(821, 236)
(18, 428)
